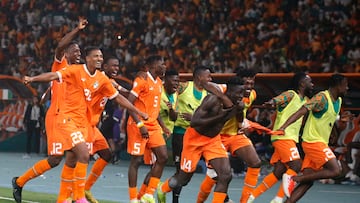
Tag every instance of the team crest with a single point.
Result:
(96, 85)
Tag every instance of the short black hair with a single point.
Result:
(152, 59)
(296, 80)
(171, 72)
(199, 69)
(245, 73)
(89, 49)
(72, 43)
(336, 79)
(110, 58)
(233, 81)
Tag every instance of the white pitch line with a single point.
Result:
(7, 198)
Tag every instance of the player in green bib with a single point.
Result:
(286, 158)
(319, 161)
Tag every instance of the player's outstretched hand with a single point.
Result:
(27, 80)
(277, 132)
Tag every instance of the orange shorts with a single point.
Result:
(197, 145)
(136, 143)
(316, 155)
(234, 142)
(284, 151)
(99, 141)
(66, 134)
(149, 157)
(49, 124)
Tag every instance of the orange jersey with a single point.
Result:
(57, 89)
(99, 90)
(74, 105)
(148, 93)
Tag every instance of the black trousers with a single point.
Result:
(33, 137)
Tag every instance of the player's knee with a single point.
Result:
(296, 166)
(336, 172)
(136, 161)
(255, 163)
(105, 155)
(224, 177)
(174, 183)
(54, 161)
(83, 157)
(162, 158)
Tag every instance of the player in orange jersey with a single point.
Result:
(82, 82)
(146, 95)
(100, 144)
(67, 52)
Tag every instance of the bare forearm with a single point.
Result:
(212, 87)
(45, 77)
(127, 104)
(206, 120)
(68, 38)
(173, 114)
(161, 122)
(302, 111)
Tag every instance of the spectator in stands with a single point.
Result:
(34, 122)
(291, 35)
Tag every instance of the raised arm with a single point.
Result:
(128, 105)
(201, 115)
(44, 77)
(214, 89)
(294, 117)
(64, 42)
(123, 91)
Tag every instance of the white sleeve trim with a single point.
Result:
(114, 95)
(60, 76)
(134, 93)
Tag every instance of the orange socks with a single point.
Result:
(80, 178)
(37, 169)
(132, 193)
(280, 192)
(289, 171)
(153, 182)
(250, 182)
(165, 186)
(219, 197)
(66, 183)
(267, 183)
(142, 191)
(96, 171)
(205, 189)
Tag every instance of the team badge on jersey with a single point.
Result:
(96, 84)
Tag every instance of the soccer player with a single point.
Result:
(66, 53)
(286, 157)
(202, 139)
(248, 76)
(97, 104)
(169, 98)
(191, 94)
(319, 161)
(146, 95)
(238, 144)
(82, 82)
(168, 115)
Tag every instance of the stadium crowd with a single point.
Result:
(268, 35)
